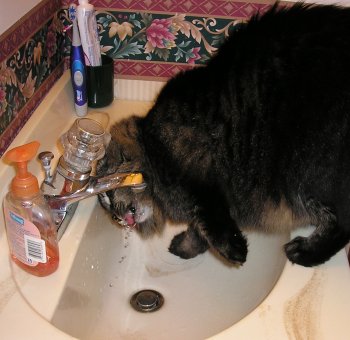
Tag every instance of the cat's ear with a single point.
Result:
(125, 136)
(111, 161)
(125, 130)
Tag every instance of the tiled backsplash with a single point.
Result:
(148, 39)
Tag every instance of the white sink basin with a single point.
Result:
(203, 296)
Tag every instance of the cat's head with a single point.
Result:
(130, 207)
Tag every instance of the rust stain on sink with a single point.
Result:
(302, 312)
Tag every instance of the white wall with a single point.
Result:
(13, 10)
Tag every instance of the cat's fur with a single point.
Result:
(258, 138)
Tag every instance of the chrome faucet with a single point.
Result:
(73, 180)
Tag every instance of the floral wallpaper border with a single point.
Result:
(31, 61)
(153, 39)
(24, 114)
(14, 37)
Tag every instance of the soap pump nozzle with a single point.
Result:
(24, 184)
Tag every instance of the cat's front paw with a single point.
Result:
(301, 251)
(187, 245)
(233, 248)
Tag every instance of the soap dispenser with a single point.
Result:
(31, 231)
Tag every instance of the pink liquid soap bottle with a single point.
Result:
(31, 231)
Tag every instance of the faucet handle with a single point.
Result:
(45, 158)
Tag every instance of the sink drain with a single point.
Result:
(147, 300)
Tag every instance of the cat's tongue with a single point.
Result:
(129, 219)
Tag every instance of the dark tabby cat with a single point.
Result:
(258, 138)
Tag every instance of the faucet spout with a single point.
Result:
(72, 181)
(95, 186)
(63, 206)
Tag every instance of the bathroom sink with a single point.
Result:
(102, 266)
(202, 296)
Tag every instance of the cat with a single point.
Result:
(258, 138)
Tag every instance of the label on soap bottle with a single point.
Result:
(24, 239)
